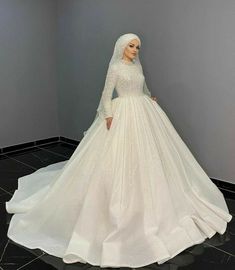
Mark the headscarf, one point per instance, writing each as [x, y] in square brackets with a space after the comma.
[117, 56]
[120, 46]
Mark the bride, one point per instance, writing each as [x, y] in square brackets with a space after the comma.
[131, 194]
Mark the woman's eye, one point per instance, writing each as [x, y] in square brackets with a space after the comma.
[136, 47]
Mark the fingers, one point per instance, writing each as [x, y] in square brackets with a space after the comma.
[108, 125]
[109, 122]
[154, 98]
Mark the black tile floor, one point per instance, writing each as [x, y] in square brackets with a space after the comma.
[214, 254]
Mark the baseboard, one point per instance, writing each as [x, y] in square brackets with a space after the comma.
[17, 147]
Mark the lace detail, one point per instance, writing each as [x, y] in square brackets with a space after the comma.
[146, 90]
[128, 79]
[105, 107]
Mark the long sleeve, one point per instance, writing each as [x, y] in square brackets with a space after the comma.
[146, 90]
[105, 106]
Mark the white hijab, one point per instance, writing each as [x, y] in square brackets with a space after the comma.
[118, 52]
[120, 46]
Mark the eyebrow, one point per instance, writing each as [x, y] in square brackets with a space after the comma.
[134, 44]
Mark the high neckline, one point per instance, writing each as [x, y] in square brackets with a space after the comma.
[127, 62]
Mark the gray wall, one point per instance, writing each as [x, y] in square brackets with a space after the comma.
[188, 56]
[28, 97]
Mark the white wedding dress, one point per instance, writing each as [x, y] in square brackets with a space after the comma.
[128, 196]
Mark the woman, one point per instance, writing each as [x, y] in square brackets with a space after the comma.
[131, 194]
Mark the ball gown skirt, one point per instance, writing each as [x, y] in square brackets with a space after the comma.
[128, 196]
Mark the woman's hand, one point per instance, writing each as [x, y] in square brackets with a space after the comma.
[108, 122]
[154, 98]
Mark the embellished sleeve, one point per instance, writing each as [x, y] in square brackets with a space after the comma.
[105, 105]
[146, 90]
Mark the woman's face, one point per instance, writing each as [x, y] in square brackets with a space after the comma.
[131, 50]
